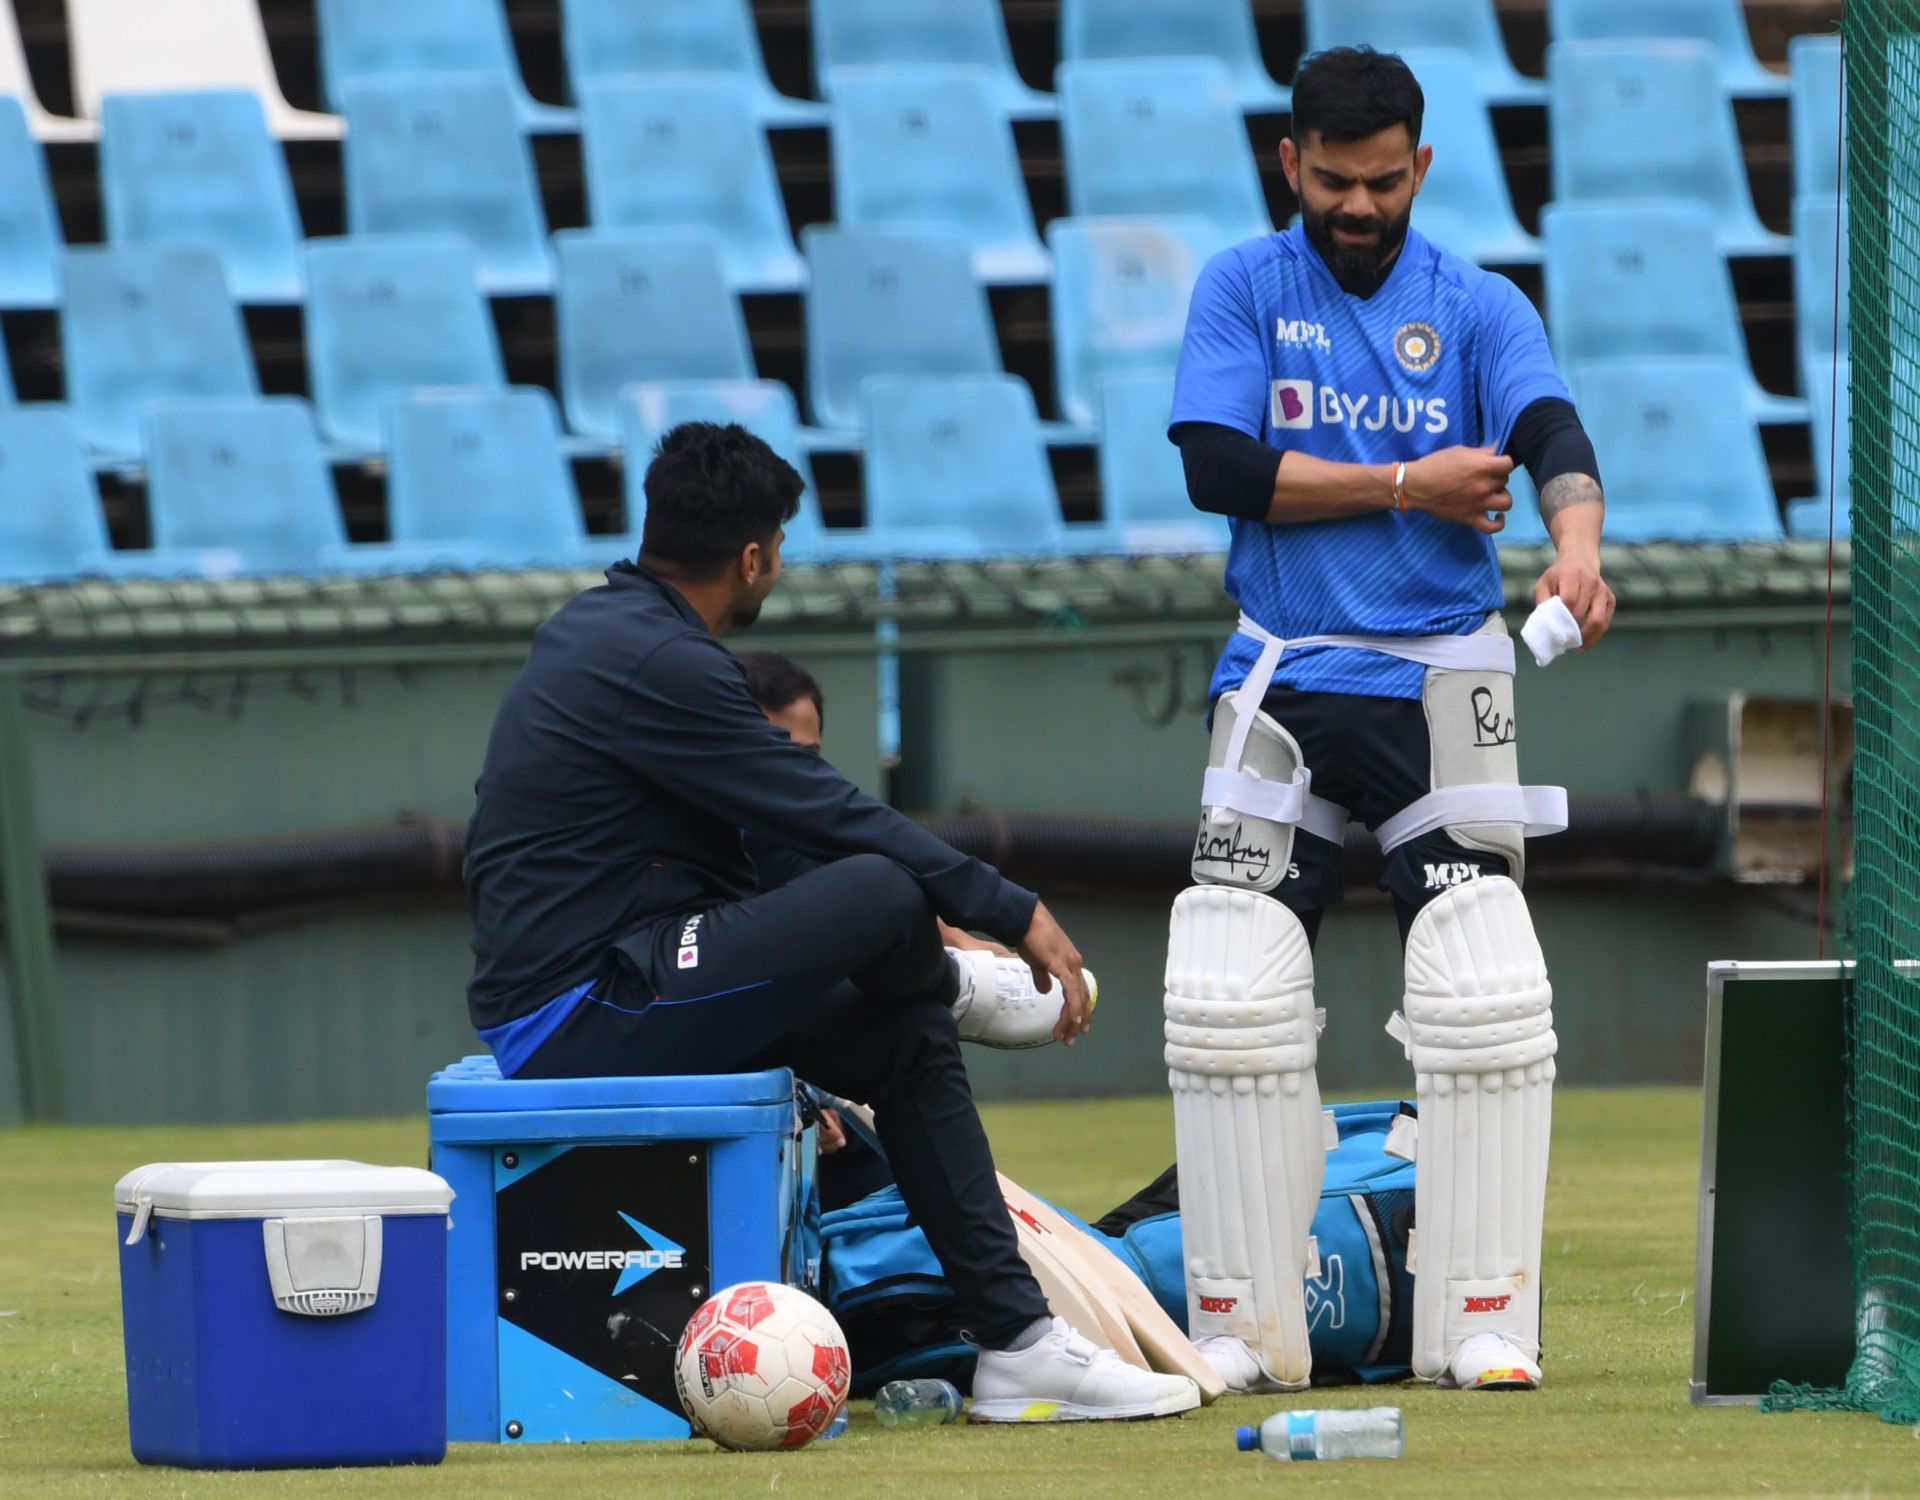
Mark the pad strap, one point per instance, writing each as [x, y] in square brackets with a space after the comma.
[1280, 801]
[1540, 809]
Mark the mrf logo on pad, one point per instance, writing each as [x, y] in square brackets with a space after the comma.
[1485, 1304]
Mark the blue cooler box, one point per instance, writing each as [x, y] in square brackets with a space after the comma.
[596, 1215]
[284, 1314]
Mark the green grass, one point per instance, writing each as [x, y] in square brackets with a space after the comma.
[1613, 1418]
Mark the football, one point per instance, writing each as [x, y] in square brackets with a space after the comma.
[762, 1366]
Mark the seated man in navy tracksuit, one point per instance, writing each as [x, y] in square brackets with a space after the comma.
[619, 926]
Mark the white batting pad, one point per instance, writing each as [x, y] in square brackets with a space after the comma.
[1478, 1027]
[1251, 1142]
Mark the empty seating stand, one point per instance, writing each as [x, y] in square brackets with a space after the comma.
[30, 240]
[853, 33]
[666, 37]
[1470, 26]
[369, 38]
[1093, 30]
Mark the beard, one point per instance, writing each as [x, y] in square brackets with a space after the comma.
[745, 615]
[1360, 269]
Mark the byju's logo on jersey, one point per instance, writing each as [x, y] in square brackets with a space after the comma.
[1295, 333]
[1297, 403]
[690, 942]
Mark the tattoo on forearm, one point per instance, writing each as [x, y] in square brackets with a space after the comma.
[1564, 491]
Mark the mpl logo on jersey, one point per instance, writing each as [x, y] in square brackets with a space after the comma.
[634, 1266]
[1300, 403]
[1296, 333]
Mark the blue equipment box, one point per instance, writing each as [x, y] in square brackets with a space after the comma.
[284, 1314]
[596, 1215]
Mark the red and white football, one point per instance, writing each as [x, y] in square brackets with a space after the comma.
[762, 1366]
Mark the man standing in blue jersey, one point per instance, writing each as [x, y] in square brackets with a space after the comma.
[1354, 398]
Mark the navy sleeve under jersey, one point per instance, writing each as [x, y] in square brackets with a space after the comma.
[1442, 354]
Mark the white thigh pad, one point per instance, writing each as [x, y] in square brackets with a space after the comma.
[1242, 1036]
[1478, 1027]
[1470, 726]
[1236, 847]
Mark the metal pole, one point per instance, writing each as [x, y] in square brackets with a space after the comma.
[29, 925]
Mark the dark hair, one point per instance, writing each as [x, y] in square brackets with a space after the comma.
[777, 681]
[1350, 93]
[711, 490]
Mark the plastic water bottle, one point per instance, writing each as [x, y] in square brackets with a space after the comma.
[916, 1403]
[1291, 1436]
[838, 1425]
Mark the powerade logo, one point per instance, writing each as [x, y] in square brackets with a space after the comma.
[1299, 404]
[634, 1266]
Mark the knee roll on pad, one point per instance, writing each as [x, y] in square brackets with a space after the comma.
[1242, 1036]
[1478, 1027]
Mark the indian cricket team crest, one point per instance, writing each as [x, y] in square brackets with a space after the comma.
[1416, 346]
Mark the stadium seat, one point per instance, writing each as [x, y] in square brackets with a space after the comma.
[1819, 250]
[387, 314]
[648, 411]
[1719, 24]
[1163, 136]
[370, 38]
[30, 239]
[1143, 484]
[858, 33]
[1466, 178]
[958, 452]
[889, 303]
[1626, 280]
[16, 81]
[1648, 119]
[677, 36]
[203, 169]
[1814, 80]
[143, 323]
[1831, 419]
[687, 153]
[641, 305]
[1524, 527]
[51, 526]
[148, 46]
[1120, 293]
[6, 379]
[1095, 30]
[485, 467]
[1679, 451]
[242, 484]
[928, 147]
[428, 155]
[1472, 26]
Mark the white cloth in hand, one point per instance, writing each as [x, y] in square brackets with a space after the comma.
[1550, 631]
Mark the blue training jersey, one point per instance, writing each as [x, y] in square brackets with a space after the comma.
[1442, 354]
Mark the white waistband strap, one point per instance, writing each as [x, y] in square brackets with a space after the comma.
[1540, 809]
[1452, 653]
[1282, 801]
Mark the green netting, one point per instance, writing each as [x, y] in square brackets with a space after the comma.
[1882, 90]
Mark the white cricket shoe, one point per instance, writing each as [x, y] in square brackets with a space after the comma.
[1240, 1367]
[1062, 1377]
[998, 1005]
[1493, 1362]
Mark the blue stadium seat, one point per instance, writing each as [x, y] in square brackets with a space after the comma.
[6, 379]
[1648, 119]
[677, 36]
[367, 38]
[429, 155]
[1092, 30]
[1819, 250]
[1679, 451]
[1472, 26]
[637, 304]
[1524, 527]
[1831, 419]
[51, 526]
[240, 486]
[143, 323]
[856, 33]
[484, 467]
[1143, 485]
[1466, 177]
[686, 152]
[959, 452]
[1163, 136]
[889, 303]
[764, 407]
[203, 169]
[1626, 280]
[927, 147]
[1120, 293]
[1814, 81]
[30, 241]
[1719, 24]
[389, 313]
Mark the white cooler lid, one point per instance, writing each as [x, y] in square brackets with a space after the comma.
[253, 1189]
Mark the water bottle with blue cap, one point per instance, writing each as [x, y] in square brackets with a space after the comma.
[1293, 1436]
